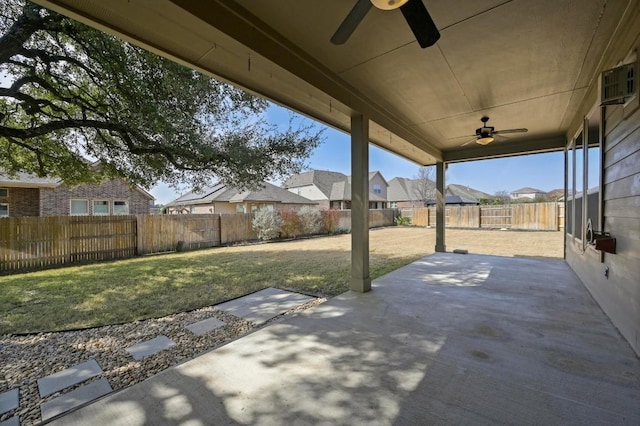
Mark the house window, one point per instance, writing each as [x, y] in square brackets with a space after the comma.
[593, 165]
[239, 208]
[4, 210]
[120, 207]
[4, 192]
[79, 207]
[394, 204]
[100, 207]
[377, 189]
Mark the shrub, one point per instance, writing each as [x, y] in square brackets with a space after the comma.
[402, 220]
[310, 220]
[267, 223]
[291, 226]
[330, 220]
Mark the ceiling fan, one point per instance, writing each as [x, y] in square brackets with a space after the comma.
[414, 11]
[487, 134]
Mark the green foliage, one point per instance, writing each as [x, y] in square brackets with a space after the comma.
[291, 226]
[402, 221]
[71, 91]
[310, 220]
[267, 223]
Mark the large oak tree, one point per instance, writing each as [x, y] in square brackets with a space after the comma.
[68, 92]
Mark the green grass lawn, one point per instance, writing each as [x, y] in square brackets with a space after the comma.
[155, 286]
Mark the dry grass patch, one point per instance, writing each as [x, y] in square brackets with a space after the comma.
[155, 286]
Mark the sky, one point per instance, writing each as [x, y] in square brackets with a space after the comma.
[540, 171]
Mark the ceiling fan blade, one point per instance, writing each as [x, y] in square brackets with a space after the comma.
[352, 20]
[420, 21]
[510, 131]
[469, 141]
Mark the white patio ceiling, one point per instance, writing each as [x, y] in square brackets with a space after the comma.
[523, 63]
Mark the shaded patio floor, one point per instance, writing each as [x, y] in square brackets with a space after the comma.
[449, 339]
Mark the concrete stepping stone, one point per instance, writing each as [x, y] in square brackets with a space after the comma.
[150, 347]
[13, 421]
[68, 377]
[75, 398]
[8, 401]
[205, 326]
[263, 305]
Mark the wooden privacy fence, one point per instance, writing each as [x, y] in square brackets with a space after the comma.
[30, 243]
[41, 242]
[161, 233]
[527, 216]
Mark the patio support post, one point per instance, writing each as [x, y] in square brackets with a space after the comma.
[440, 206]
[360, 279]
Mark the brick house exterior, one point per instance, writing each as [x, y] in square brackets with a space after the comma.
[26, 195]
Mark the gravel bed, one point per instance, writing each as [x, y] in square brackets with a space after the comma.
[26, 358]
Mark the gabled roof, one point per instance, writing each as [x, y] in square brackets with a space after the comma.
[466, 192]
[322, 179]
[528, 190]
[455, 199]
[222, 193]
[399, 189]
[26, 180]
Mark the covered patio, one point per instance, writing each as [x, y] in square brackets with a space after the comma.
[449, 339]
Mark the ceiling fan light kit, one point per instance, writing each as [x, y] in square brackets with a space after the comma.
[486, 134]
[388, 4]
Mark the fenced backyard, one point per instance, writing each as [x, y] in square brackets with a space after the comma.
[526, 217]
[31, 243]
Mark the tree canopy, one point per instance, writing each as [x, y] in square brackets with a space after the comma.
[69, 92]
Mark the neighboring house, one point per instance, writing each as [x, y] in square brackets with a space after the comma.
[455, 200]
[467, 194]
[223, 199]
[333, 189]
[28, 195]
[528, 194]
[555, 194]
[461, 195]
[404, 193]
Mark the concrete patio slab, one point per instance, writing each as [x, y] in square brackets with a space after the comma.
[205, 326]
[449, 339]
[75, 398]
[13, 421]
[263, 305]
[9, 400]
[150, 347]
[68, 377]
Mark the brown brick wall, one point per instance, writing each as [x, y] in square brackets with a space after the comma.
[22, 201]
[56, 201]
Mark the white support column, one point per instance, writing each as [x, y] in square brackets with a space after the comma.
[360, 279]
[440, 206]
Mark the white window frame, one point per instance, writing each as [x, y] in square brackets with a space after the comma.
[93, 207]
[5, 204]
[377, 188]
[117, 213]
[6, 192]
[71, 213]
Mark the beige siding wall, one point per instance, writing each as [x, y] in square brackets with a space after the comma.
[378, 180]
[619, 295]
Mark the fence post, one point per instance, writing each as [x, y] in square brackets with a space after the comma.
[140, 249]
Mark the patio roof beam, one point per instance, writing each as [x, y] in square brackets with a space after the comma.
[440, 206]
[360, 279]
[506, 149]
